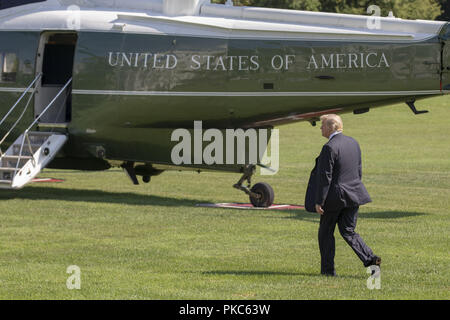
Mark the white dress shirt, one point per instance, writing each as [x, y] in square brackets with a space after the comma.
[333, 134]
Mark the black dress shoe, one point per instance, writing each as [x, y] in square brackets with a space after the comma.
[329, 274]
[376, 261]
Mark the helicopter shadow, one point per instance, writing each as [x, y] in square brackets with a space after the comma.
[95, 196]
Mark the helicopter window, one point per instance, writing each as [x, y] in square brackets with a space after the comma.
[5, 4]
[9, 64]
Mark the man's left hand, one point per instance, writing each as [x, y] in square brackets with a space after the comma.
[319, 209]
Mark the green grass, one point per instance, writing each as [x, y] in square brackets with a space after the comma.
[151, 242]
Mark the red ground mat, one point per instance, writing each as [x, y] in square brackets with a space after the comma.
[47, 180]
[249, 206]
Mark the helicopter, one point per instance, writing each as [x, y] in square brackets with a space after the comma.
[160, 85]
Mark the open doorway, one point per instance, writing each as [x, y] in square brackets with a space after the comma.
[55, 60]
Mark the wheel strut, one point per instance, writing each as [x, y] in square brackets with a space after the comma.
[249, 171]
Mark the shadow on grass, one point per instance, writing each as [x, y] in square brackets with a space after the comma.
[389, 215]
[313, 217]
[268, 273]
[250, 273]
[77, 195]
[98, 196]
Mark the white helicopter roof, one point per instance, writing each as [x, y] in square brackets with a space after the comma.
[201, 18]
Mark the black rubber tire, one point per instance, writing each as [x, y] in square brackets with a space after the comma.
[267, 195]
[146, 179]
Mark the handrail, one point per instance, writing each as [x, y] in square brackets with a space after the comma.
[25, 134]
[21, 97]
[17, 121]
[48, 107]
[14, 107]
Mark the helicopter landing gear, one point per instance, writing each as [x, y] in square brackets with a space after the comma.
[261, 194]
[145, 170]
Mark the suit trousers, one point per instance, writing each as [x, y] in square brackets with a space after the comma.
[346, 221]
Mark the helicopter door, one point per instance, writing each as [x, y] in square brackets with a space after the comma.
[55, 61]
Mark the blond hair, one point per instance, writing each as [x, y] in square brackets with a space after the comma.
[332, 121]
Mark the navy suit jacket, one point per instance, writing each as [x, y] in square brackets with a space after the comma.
[335, 181]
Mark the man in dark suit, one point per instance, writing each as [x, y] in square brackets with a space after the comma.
[339, 193]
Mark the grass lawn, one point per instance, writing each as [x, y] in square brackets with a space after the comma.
[151, 242]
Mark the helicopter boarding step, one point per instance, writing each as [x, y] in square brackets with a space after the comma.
[27, 156]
